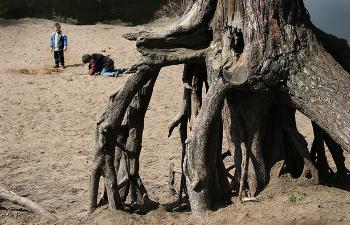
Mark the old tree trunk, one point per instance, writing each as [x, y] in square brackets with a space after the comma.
[259, 61]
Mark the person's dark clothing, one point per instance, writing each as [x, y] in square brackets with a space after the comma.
[59, 57]
[99, 62]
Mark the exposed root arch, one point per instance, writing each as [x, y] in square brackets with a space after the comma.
[263, 60]
[107, 129]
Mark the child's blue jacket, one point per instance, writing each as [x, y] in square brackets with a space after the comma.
[58, 41]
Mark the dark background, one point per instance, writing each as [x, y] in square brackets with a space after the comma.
[85, 11]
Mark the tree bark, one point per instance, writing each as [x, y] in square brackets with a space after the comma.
[106, 134]
[130, 145]
[198, 170]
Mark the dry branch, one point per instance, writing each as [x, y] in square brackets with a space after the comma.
[10, 196]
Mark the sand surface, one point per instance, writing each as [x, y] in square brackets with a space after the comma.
[47, 124]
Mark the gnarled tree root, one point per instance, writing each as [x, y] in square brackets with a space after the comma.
[298, 141]
[264, 49]
[194, 75]
[107, 130]
[318, 154]
[200, 161]
[132, 141]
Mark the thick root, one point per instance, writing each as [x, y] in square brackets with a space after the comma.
[301, 145]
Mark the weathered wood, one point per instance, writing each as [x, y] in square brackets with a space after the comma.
[135, 126]
[263, 60]
[10, 196]
[107, 130]
[197, 167]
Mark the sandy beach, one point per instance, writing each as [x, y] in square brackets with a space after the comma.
[47, 125]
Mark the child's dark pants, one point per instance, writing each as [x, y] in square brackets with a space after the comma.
[59, 57]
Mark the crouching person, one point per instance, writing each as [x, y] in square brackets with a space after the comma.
[100, 63]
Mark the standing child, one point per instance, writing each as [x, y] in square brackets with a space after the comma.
[103, 64]
[58, 45]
